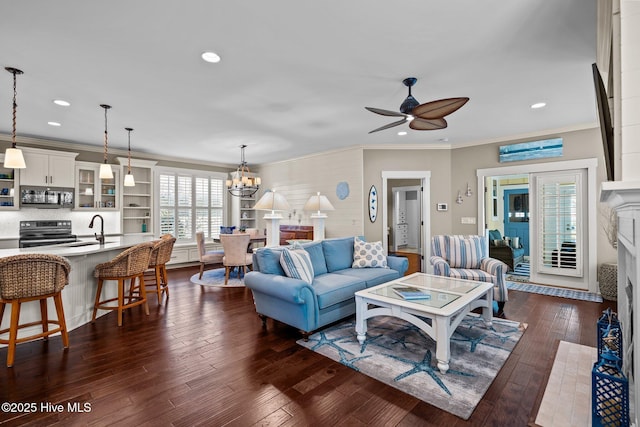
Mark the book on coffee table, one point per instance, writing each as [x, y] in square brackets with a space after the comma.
[408, 292]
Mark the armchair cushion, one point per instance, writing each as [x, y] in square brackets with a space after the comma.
[465, 252]
[368, 254]
[296, 263]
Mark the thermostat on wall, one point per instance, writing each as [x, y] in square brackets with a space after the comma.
[442, 206]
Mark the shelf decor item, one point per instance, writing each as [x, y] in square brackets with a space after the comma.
[13, 158]
[243, 182]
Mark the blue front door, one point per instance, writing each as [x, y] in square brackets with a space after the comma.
[516, 216]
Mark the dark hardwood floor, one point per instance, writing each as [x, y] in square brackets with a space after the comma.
[203, 358]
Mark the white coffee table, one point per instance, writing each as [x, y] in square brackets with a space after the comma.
[450, 301]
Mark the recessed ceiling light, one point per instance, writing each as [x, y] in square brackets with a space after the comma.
[211, 57]
[402, 133]
[538, 105]
[61, 102]
[54, 124]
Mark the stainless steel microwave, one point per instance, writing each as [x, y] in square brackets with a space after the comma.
[46, 197]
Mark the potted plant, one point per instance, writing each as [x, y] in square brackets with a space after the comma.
[608, 271]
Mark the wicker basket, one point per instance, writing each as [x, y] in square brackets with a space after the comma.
[608, 280]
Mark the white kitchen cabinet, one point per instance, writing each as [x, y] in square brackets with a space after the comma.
[93, 193]
[48, 168]
[137, 201]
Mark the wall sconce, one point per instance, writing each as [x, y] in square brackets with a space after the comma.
[459, 199]
[469, 193]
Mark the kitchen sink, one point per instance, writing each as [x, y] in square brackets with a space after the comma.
[79, 244]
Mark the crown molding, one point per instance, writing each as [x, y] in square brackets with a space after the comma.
[65, 145]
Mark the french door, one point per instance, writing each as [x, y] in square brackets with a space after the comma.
[560, 218]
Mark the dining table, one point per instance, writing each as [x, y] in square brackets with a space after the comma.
[253, 242]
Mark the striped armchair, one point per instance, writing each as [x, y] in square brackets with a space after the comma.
[465, 257]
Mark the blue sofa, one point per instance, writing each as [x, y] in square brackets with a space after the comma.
[330, 296]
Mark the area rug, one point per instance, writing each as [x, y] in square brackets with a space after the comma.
[567, 396]
[399, 354]
[555, 292]
[215, 277]
[520, 273]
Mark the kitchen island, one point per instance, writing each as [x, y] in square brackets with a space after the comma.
[79, 295]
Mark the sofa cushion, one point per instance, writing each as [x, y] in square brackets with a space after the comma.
[317, 257]
[296, 263]
[465, 252]
[338, 253]
[371, 276]
[269, 261]
[335, 288]
[368, 254]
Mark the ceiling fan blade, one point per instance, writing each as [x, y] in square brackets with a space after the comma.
[390, 125]
[438, 109]
[423, 124]
[385, 112]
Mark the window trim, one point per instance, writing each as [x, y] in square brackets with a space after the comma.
[193, 173]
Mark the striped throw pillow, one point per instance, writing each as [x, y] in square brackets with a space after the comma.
[296, 264]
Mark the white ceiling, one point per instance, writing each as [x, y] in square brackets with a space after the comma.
[295, 76]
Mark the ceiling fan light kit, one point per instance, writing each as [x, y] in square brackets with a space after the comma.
[427, 116]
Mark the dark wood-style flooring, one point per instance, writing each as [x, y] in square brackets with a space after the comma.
[203, 358]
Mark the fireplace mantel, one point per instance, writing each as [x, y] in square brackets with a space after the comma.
[624, 197]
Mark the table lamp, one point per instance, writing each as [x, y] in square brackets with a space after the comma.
[276, 203]
[317, 204]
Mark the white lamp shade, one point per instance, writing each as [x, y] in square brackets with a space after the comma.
[13, 159]
[105, 171]
[272, 201]
[129, 181]
[318, 203]
[88, 191]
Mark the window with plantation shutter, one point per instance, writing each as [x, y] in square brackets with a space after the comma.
[190, 203]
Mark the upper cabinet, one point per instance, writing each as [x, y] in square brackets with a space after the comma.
[93, 192]
[8, 185]
[48, 168]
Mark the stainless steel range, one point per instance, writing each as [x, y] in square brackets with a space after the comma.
[45, 232]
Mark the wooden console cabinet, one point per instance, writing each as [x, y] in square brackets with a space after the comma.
[295, 232]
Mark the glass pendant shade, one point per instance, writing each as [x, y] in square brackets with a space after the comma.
[105, 168]
[13, 159]
[105, 171]
[129, 181]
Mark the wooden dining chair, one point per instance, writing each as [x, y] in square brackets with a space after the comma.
[207, 257]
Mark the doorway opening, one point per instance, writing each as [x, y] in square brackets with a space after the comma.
[405, 221]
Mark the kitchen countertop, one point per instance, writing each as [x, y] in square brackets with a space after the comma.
[82, 246]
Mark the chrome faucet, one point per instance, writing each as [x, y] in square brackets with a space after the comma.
[99, 238]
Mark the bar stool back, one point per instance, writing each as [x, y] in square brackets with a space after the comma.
[128, 265]
[32, 277]
[160, 256]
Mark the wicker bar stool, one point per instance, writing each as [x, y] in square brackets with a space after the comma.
[128, 265]
[160, 256]
[32, 277]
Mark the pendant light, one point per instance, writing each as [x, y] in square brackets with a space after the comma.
[105, 168]
[128, 178]
[13, 158]
[243, 182]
